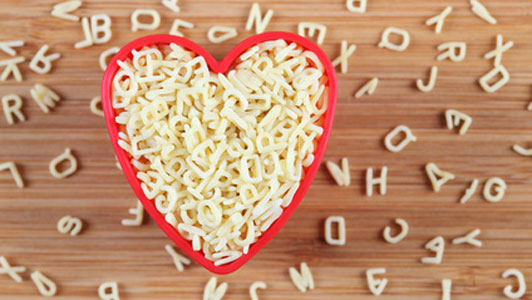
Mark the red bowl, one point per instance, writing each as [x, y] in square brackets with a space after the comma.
[222, 67]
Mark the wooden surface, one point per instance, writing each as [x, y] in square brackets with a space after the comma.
[135, 257]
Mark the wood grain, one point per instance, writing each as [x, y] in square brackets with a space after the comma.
[135, 257]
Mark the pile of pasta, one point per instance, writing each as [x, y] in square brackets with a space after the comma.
[221, 155]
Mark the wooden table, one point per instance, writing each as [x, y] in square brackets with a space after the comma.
[135, 257]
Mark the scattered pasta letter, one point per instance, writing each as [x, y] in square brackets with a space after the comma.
[260, 22]
[408, 138]
[437, 245]
[341, 176]
[138, 212]
[381, 181]
[12, 106]
[253, 289]
[44, 97]
[433, 172]
[376, 286]
[469, 238]
[178, 259]
[345, 53]
[44, 284]
[302, 280]
[12, 167]
[340, 241]
[385, 39]
[213, 292]
[6, 268]
[312, 28]
[439, 19]
[65, 156]
[496, 185]
[400, 236]
[69, 224]
[108, 291]
[368, 88]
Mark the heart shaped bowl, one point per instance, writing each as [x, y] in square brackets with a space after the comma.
[217, 67]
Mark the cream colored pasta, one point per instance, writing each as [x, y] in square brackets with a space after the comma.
[368, 88]
[138, 212]
[482, 12]
[376, 286]
[470, 191]
[63, 10]
[500, 48]
[381, 181]
[68, 224]
[101, 28]
[400, 236]
[385, 39]
[95, 106]
[493, 87]
[437, 245]
[437, 177]
[431, 82]
[521, 284]
[408, 138]
[340, 240]
[453, 119]
[44, 97]
[439, 19]
[180, 23]
[12, 106]
[178, 259]
[454, 51]
[42, 63]
[45, 285]
[255, 18]
[521, 150]
[214, 292]
[64, 157]
[345, 53]
[446, 289]
[108, 291]
[105, 54]
[303, 279]
[7, 46]
[497, 185]
[356, 6]
[11, 67]
[12, 167]
[136, 25]
[312, 29]
[469, 238]
[218, 34]
[172, 5]
[13, 272]
[341, 176]
[87, 42]
[220, 177]
[254, 287]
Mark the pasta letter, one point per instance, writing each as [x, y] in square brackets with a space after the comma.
[370, 181]
[437, 177]
[12, 106]
[65, 156]
[376, 286]
[408, 138]
[6, 268]
[45, 286]
[303, 279]
[340, 241]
